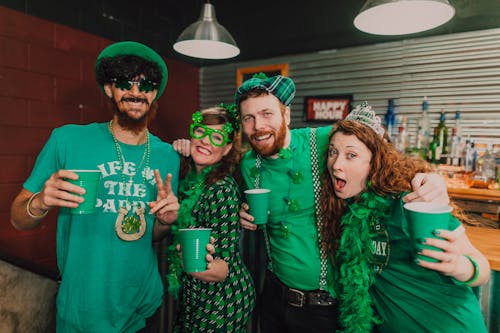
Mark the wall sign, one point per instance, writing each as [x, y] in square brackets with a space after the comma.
[326, 108]
[243, 74]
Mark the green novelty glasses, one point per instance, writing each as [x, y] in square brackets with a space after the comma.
[217, 138]
[143, 84]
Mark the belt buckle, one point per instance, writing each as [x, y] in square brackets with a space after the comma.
[296, 297]
[321, 299]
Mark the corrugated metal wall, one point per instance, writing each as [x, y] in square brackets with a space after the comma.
[455, 72]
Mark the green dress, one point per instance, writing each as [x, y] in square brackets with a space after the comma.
[222, 306]
[412, 299]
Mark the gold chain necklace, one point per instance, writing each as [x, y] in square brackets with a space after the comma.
[130, 227]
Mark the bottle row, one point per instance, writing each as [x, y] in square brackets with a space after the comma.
[440, 145]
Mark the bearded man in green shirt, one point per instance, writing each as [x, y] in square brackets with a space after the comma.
[109, 270]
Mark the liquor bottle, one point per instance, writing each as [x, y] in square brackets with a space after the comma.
[401, 142]
[474, 154]
[497, 159]
[470, 156]
[454, 150]
[390, 119]
[425, 123]
[423, 136]
[434, 152]
[468, 159]
[443, 137]
[489, 163]
[460, 139]
[415, 149]
[458, 125]
[484, 175]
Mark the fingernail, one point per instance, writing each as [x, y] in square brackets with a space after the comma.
[436, 232]
[422, 240]
[417, 261]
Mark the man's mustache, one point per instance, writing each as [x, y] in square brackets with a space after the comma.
[134, 100]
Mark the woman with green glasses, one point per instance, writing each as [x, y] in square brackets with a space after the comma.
[221, 298]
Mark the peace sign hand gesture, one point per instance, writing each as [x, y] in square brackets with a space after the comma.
[166, 206]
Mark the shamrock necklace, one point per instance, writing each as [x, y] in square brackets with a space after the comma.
[295, 176]
[130, 227]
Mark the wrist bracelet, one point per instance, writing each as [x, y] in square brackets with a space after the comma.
[474, 276]
[28, 207]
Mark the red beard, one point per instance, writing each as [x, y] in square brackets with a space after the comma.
[273, 148]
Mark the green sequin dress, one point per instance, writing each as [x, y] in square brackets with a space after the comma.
[222, 306]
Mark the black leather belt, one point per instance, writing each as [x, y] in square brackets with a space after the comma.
[300, 298]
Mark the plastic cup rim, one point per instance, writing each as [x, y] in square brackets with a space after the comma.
[257, 191]
[435, 208]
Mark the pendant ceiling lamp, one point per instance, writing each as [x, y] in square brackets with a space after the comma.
[206, 38]
[400, 17]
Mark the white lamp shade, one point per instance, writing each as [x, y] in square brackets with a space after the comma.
[206, 38]
[400, 17]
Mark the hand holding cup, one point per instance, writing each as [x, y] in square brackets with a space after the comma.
[258, 201]
[423, 219]
[89, 180]
[194, 242]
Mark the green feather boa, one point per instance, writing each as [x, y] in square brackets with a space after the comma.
[354, 258]
[190, 189]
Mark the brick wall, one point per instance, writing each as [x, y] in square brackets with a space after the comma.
[47, 80]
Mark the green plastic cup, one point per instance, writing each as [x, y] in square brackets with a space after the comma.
[194, 248]
[258, 201]
[89, 180]
[423, 218]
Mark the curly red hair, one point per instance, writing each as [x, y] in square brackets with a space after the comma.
[390, 174]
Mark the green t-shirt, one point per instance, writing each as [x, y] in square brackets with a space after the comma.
[108, 285]
[413, 299]
[292, 230]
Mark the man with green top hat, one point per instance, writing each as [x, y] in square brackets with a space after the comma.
[109, 273]
[297, 294]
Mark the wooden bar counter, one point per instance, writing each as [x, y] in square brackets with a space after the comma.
[487, 241]
[484, 203]
[479, 194]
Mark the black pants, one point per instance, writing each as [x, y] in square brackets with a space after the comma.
[279, 316]
[152, 323]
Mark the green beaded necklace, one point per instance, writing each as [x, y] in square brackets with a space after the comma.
[130, 227]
